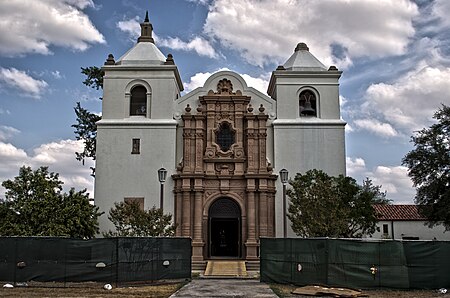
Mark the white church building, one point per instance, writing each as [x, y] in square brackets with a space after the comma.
[223, 145]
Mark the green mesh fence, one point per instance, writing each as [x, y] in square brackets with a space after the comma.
[356, 263]
[112, 260]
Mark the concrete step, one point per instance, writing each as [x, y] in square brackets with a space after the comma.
[198, 266]
[252, 265]
[226, 268]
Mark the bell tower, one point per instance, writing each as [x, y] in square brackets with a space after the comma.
[308, 132]
[137, 133]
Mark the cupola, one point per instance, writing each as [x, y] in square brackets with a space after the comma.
[303, 60]
[144, 52]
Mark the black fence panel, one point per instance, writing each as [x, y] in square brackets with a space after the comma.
[356, 263]
[428, 264]
[112, 260]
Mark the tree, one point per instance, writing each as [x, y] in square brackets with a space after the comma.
[130, 220]
[35, 205]
[94, 77]
[326, 206]
[429, 168]
[86, 128]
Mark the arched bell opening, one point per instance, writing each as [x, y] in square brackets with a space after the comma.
[224, 229]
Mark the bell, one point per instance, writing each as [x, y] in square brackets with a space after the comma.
[308, 110]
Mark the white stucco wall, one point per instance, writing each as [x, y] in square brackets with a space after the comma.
[411, 229]
[120, 174]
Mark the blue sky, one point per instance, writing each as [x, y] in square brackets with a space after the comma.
[395, 56]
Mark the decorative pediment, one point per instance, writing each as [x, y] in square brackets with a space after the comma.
[224, 87]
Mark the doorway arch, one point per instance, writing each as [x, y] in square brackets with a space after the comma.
[224, 229]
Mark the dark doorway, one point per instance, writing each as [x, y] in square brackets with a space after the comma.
[224, 228]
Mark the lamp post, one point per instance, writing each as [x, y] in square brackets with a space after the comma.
[162, 174]
[284, 174]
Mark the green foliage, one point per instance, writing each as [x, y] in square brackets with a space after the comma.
[36, 206]
[429, 168]
[86, 128]
[326, 206]
[130, 220]
[94, 76]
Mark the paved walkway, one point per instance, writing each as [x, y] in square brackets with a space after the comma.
[225, 288]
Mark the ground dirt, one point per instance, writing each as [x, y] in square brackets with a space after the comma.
[165, 290]
[92, 290]
[285, 291]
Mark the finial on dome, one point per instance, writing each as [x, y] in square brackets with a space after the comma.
[146, 30]
[301, 47]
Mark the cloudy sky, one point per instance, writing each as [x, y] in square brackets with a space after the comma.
[395, 56]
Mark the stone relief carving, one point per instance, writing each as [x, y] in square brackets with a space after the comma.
[224, 87]
[211, 183]
[224, 168]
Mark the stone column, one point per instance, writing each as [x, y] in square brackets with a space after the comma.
[178, 213]
[186, 225]
[251, 243]
[263, 214]
[270, 215]
[197, 242]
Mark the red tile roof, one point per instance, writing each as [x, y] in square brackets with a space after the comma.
[398, 212]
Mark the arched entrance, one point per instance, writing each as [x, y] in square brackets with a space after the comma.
[224, 233]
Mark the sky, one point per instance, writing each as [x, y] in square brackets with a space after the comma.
[395, 58]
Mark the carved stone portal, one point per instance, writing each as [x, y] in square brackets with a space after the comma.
[225, 164]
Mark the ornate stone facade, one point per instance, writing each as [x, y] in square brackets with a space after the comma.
[222, 149]
[224, 158]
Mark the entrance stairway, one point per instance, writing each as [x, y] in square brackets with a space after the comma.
[226, 269]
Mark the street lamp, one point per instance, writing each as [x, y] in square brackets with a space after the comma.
[284, 175]
[162, 174]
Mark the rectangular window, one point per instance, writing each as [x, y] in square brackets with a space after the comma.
[140, 201]
[136, 146]
[385, 229]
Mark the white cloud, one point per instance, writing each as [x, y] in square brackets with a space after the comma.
[376, 127]
[336, 31]
[396, 182]
[261, 83]
[7, 132]
[198, 44]
[57, 74]
[199, 79]
[6, 112]
[30, 26]
[393, 179]
[130, 27]
[19, 79]
[81, 4]
[201, 2]
[355, 166]
[408, 103]
[58, 156]
[440, 10]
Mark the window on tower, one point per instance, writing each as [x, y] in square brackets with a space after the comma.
[308, 104]
[225, 136]
[138, 101]
[135, 146]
